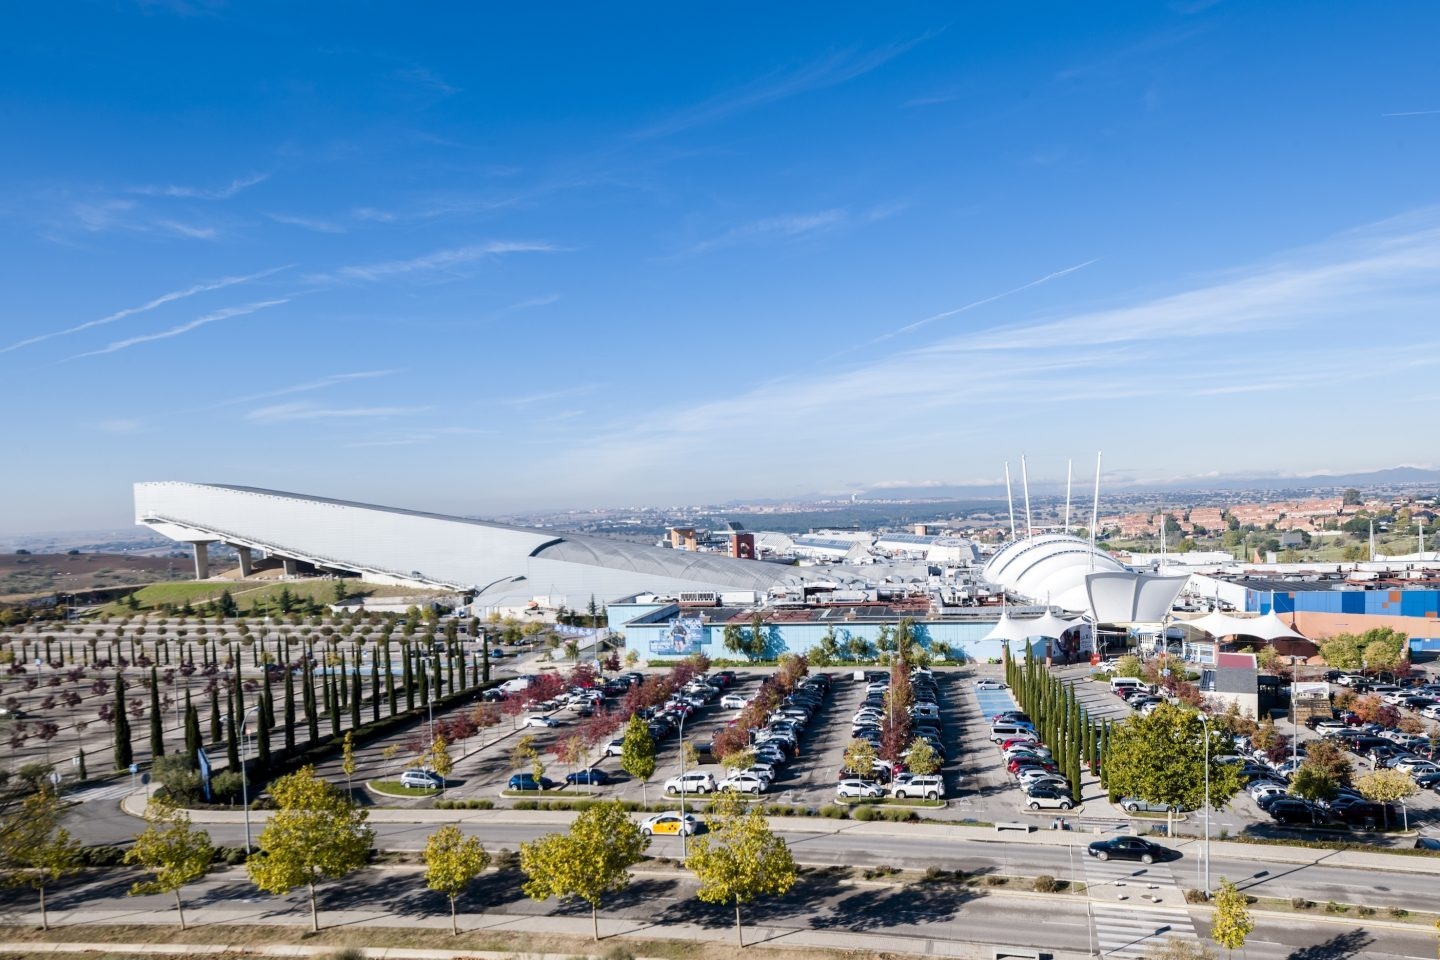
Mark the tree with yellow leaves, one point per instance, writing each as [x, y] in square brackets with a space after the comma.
[739, 859]
[452, 862]
[172, 850]
[593, 859]
[1232, 922]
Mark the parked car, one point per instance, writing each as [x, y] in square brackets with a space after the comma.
[421, 780]
[1137, 805]
[1292, 810]
[1049, 797]
[1044, 781]
[744, 783]
[670, 824]
[929, 787]
[989, 684]
[527, 781]
[1128, 848]
[593, 775]
[615, 747]
[853, 788]
[540, 720]
[694, 782]
[733, 701]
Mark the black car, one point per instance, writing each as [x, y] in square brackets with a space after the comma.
[1128, 848]
[1291, 811]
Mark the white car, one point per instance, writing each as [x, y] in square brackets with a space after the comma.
[733, 701]
[989, 684]
[540, 720]
[859, 789]
[1036, 775]
[690, 783]
[1416, 766]
[420, 779]
[615, 747]
[930, 787]
[744, 783]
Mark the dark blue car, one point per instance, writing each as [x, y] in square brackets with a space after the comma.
[594, 776]
[527, 781]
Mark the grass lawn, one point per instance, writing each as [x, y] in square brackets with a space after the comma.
[392, 788]
[253, 592]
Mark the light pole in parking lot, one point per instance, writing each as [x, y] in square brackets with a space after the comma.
[244, 777]
[1205, 724]
[684, 835]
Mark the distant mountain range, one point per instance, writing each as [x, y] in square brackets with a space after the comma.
[1389, 477]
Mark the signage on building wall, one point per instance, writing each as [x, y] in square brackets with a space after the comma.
[684, 637]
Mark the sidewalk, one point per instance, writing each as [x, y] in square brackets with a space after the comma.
[1261, 853]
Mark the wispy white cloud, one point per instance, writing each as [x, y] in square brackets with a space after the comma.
[188, 230]
[828, 71]
[426, 78]
[436, 261]
[307, 223]
[1412, 113]
[202, 287]
[543, 301]
[1280, 334]
[200, 193]
[184, 328]
[785, 226]
[288, 412]
[411, 441]
[578, 390]
[334, 379]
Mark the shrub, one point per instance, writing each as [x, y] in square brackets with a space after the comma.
[834, 811]
[345, 953]
[1399, 913]
[1365, 911]
[1333, 907]
[617, 953]
[104, 856]
[1196, 896]
[993, 881]
[866, 813]
[527, 804]
[1300, 903]
[1045, 884]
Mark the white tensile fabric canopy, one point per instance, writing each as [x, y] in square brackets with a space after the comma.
[1268, 627]
[1009, 628]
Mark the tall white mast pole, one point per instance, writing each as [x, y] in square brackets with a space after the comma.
[1095, 511]
[1069, 476]
[1372, 541]
[1010, 498]
[1025, 482]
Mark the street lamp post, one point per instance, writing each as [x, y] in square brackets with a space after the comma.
[1205, 724]
[244, 776]
[684, 832]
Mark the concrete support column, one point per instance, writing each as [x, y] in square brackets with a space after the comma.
[247, 563]
[292, 567]
[202, 559]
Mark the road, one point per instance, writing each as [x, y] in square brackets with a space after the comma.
[941, 919]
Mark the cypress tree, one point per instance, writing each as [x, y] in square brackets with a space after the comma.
[390, 693]
[375, 685]
[193, 742]
[332, 681]
[312, 722]
[232, 736]
[289, 713]
[157, 730]
[215, 730]
[342, 685]
[267, 697]
[239, 688]
[450, 668]
[407, 678]
[124, 752]
[355, 698]
[439, 676]
[80, 766]
[262, 735]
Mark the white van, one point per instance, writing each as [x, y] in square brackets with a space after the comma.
[1131, 683]
[1004, 731]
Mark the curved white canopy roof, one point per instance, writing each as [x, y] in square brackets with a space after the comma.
[1065, 571]
[1268, 627]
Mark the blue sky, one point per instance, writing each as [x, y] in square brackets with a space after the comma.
[483, 260]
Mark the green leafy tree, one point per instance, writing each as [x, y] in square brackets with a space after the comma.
[34, 849]
[1232, 922]
[452, 862]
[740, 860]
[860, 757]
[1328, 758]
[441, 762]
[593, 859]
[1313, 783]
[1161, 758]
[347, 760]
[172, 850]
[1129, 666]
[1386, 787]
[922, 758]
[637, 754]
[316, 834]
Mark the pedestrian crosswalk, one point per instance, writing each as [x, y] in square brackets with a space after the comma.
[111, 791]
[1133, 906]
